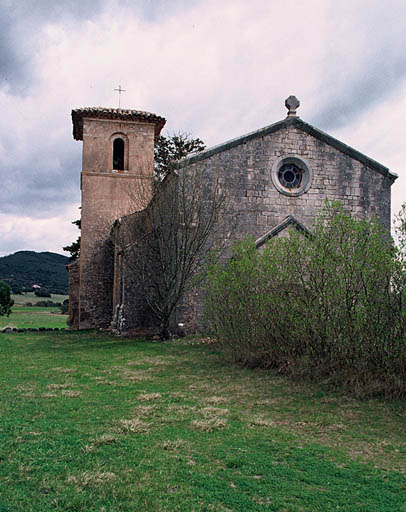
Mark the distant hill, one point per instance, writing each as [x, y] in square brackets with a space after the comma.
[24, 269]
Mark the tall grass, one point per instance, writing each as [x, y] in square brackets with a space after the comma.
[330, 306]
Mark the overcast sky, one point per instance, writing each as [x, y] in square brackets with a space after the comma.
[216, 69]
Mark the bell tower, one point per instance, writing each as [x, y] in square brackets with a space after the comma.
[116, 180]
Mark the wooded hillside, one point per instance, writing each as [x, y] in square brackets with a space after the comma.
[24, 269]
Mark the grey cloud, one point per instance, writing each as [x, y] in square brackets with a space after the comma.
[14, 64]
[153, 10]
[31, 12]
[367, 63]
[37, 187]
[20, 24]
[21, 21]
[373, 82]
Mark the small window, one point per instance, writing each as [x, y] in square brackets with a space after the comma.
[292, 175]
[118, 154]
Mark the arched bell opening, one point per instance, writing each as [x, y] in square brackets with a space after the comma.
[118, 154]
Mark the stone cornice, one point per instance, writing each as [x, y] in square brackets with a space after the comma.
[110, 174]
[113, 114]
[290, 220]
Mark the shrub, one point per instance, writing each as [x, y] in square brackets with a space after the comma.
[47, 304]
[17, 289]
[42, 292]
[65, 307]
[330, 306]
[6, 301]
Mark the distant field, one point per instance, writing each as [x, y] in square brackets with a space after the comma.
[22, 299]
[34, 317]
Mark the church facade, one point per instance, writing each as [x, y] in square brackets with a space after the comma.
[272, 178]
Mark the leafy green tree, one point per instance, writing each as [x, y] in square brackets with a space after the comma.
[330, 306]
[74, 247]
[6, 302]
[171, 149]
[65, 307]
[42, 292]
[400, 232]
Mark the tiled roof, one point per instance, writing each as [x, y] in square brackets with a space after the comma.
[113, 113]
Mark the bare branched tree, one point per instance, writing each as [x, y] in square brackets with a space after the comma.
[165, 245]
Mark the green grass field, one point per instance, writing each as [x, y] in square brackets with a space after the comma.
[89, 422]
[23, 316]
[22, 298]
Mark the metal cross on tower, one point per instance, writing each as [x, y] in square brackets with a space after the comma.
[119, 90]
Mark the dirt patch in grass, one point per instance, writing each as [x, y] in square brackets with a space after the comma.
[202, 386]
[209, 424]
[91, 479]
[146, 410]
[216, 400]
[105, 382]
[64, 370]
[58, 386]
[103, 440]
[213, 411]
[135, 376]
[27, 387]
[260, 421]
[63, 392]
[155, 361]
[177, 414]
[173, 446]
[134, 425]
[49, 395]
[147, 397]
[70, 393]
[178, 395]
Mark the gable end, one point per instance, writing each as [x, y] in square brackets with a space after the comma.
[284, 124]
[290, 220]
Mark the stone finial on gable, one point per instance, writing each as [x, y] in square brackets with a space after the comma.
[292, 103]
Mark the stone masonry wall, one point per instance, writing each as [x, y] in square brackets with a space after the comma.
[256, 206]
[73, 312]
[244, 174]
[108, 195]
[131, 310]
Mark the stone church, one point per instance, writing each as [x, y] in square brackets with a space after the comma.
[274, 177]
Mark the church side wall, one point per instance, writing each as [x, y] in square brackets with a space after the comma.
[131, 310]
[73, 310]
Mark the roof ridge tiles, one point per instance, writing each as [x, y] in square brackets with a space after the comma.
[113, 113]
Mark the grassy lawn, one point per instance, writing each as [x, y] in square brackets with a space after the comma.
[23, 316]
[94, 423]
